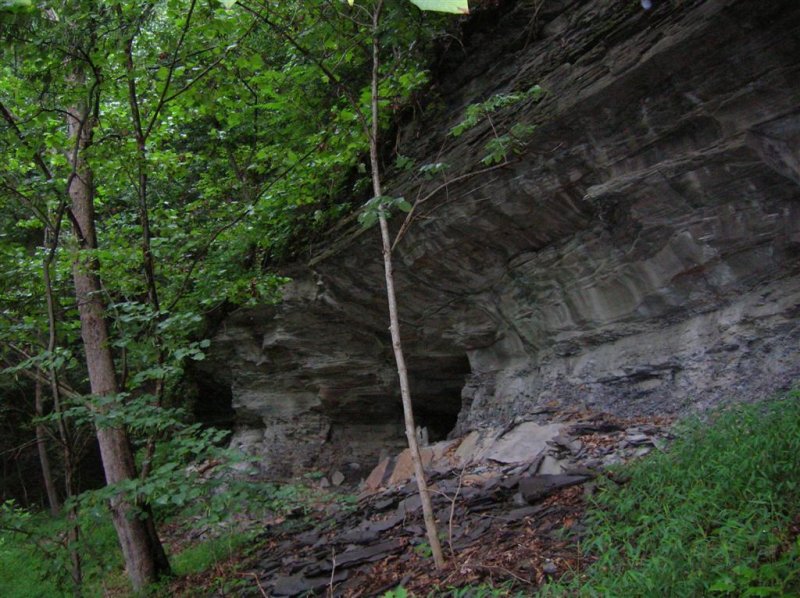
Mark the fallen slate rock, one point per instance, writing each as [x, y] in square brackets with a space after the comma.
[472, 535]
[504, 496]
[376, 552]
[307, 538]
[594, 427]
[580, 470]
[415, 530]
[295, 566]
[267, 566]
[536, 487]
[404, 466]
[409, 505]
[299, 585]
[523, 443]
[348, 559]
[380, 475]
[638, 439]
[369, 531]
[384, 504]
[567, 442]
[551, 466]
[520, 513]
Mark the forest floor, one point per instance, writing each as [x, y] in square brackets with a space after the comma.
[713, 513]
[503, 526]
[506, 555]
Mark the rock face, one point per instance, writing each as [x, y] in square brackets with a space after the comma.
[640, 255]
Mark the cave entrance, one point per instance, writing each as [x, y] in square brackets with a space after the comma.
[436, 384]
[213, 404]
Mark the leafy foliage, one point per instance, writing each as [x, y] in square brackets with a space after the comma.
[475, 113]
[377, 205]
[498, 148]
[454, 6]
[34, 552]
[500, 145]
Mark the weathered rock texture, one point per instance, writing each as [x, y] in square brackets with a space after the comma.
[641, 255]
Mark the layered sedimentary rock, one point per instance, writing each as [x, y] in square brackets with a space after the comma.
[641, 254]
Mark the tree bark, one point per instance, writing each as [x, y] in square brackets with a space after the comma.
[394, 320]
[144, 556]
[44, 460]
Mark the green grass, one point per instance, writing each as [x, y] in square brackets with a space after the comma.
[32, 568]
[711, 517]
[201, 557]
[22, 572]
[27, 572]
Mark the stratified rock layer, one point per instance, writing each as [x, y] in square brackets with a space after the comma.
[640, 255]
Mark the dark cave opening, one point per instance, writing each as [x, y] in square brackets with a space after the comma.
[213, 405]
[438, 423]
[436, 384]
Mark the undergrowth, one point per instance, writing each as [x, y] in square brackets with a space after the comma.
[202, 556]
[22, 574]
[34, 561]
[716, 515]
[35, 564]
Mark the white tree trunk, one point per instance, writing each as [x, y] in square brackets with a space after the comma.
[394, 320]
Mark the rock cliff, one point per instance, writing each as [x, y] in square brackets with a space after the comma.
[640, 255]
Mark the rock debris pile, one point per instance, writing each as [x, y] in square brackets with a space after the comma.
[502, 498]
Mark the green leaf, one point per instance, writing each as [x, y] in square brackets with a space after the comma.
[367, 219]
[16, 5]
[761, 591]
[724, 585]
[453, 6]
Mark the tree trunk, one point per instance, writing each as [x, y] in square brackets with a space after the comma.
[144, 556]
[51, 239]
[44, 460]
[394, 320]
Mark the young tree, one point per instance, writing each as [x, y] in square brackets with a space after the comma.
[394, 320]
[380, 204]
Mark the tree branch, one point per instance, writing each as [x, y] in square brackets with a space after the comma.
[162, 99]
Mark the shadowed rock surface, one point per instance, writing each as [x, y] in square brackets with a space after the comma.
[641, 255]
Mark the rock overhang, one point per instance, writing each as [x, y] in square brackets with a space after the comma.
[640, 256]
